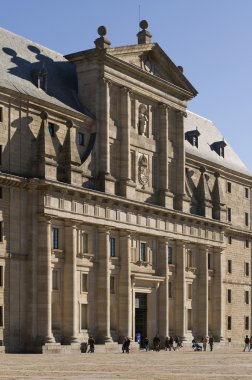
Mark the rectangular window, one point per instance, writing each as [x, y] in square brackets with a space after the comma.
[229, 268]
[229, 295]
[230, 240]
[229, 187]
[229, 322]
[246, 192]
[246, 323]
[51, 129]
[189, 319]
[246, 269]
[112, 247]
[170, 290]
[1, 114]
[246, 297]
[84, 243]
[84, 316]
[55, 280]
[80, 138]
[246, 243]
[1, 192]
[1, 232]
[229, 215]
[142, 251]
[246, 218]
[1, 276]
[169, 255]
[189, 258]
[112, 284]
[1, 316]
[189, 291]
[84, 282]
[209, 263]
[1, 154]
[55, 239]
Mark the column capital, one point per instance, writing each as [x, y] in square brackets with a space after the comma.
[125, 233]
[104, 230]
[181, 113]
[45, 219]
[106, 81]
[164, 106]
[125, 90]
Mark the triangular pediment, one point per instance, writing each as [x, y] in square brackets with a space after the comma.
[153, 60]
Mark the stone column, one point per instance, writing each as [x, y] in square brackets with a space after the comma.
[166, 197]
[45, 282]
[107, 183]
[181, 201]
[127, 187]
[163, 299]
[103, 285]
[125, 297]
[180, 309]
[203, 291]
[70, 286]
[218, 293]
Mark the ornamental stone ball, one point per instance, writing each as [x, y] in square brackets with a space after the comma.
[143, 24]
[102, 30]
[69, 123]
[44, 115]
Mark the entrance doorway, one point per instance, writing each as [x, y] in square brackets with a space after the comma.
[141, 315]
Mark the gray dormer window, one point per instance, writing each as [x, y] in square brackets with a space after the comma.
[193, 137]
[42, 79]
[219, 147]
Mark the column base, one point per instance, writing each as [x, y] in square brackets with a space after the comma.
[108, 339]
[49, 340]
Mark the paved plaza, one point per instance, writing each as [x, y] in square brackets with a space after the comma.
[185, 364]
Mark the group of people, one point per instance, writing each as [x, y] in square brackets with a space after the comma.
[205, 340]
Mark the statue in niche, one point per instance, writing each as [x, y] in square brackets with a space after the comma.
[142, 120]
[143, 171]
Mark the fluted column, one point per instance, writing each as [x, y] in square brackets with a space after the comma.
[163, 298]
[103, 285]
[180, 310]
[218, 293]
[127, 188]
[125, 304]
[45, 282]
[70, 286]
[107, 183]
[166, 197]
[203, 291]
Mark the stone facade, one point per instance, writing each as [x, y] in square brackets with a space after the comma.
[121, 212]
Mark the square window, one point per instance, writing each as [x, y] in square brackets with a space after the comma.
[229, 187]
[80, 138]
[229, 215]
[229, 322]
[142, 251]
[229, 295]
[169, 255]
[55, 238]
[112, 247]
[246, 192]
[51, 129]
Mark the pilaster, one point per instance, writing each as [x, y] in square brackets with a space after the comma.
[218, 292]
[163, 299]
[203, 291]
[180, 309]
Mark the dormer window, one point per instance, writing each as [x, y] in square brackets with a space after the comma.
[193, 137]
[42, 79]
[219, 147]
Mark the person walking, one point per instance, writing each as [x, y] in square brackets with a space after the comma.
[171, 343]
[246, 343]
[250, 343]
[156, 344]
[126, 345]
[167, 343]
[146, 344]
[211, 342]
[205, 341]
[91, 343]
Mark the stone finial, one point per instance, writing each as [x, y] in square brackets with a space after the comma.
[144, 37]
[102, 42]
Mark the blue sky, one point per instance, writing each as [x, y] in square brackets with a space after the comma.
[211, 39]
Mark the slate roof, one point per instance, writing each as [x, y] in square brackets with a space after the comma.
[209, 134]
[21, 59]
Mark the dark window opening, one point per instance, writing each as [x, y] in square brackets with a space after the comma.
[55, 238]
[51, 129]
[80, 138]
